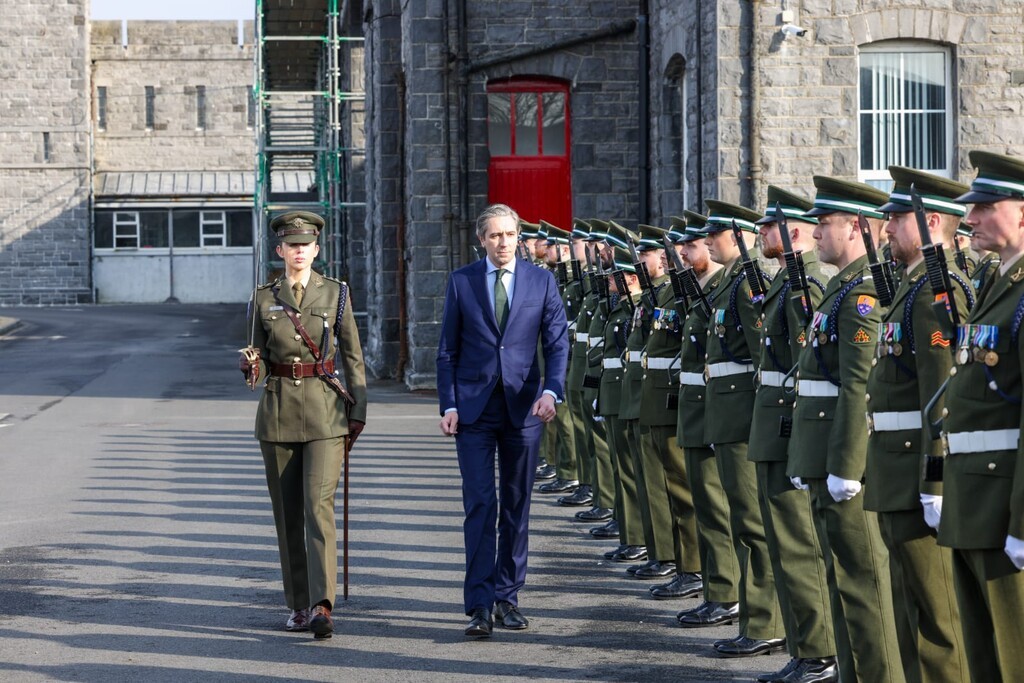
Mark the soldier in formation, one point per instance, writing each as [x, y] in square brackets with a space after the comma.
[808, 417]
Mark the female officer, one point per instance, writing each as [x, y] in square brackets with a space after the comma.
[303, 320]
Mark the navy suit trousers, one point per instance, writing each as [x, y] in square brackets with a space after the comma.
[496, 543]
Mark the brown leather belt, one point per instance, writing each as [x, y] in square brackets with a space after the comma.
[300, 370]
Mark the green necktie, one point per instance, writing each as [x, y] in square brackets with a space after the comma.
[500, 299]
[297, 291]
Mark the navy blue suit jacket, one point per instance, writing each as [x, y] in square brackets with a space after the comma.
[472, 354]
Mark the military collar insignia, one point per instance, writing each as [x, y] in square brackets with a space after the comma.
[1017, 275]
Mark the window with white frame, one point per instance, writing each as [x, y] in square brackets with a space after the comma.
[212, 229]
[126, 230]
[906, 111]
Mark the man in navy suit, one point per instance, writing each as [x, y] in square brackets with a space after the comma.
[489, 387]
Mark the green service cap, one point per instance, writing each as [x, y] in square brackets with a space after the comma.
[623, 260]
[598, 229]
[793, 206]
[620, 236]
[528, 230]
[650, 237]
[999, 177]
[580, 229]
[722, 214]
[937, 193]
[557, 235]
[846, 196]
[297, 227]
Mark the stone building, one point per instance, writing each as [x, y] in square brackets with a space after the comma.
[652, 107]
[44, 153]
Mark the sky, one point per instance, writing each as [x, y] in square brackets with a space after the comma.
[173, 9]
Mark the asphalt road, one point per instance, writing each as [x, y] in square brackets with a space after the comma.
[137, 542]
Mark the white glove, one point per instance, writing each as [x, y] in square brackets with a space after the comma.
[798, 483]
[932, 509]
[597, 418]
[1014, 549]
[841, 489]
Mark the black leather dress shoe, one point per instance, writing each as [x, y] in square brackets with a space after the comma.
[545, 472]
[683, 585]
[749, 647]
[658, 570]
[823, 670]
[595, 514]
[779, 675]
[559, 486]
[580, 497]
[710, 614]
[609, 530]
[480, 624]
[631, 553]
[612, 553]
[634, 568]
[508, 616]
[723, 641]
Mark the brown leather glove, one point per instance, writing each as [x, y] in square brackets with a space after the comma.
[355, 428]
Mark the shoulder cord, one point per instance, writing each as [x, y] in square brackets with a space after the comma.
[833, 328]
[784, 323]
[1018, 316]
[734, 312]
[324, 343]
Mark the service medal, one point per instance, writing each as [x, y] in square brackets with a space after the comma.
[822, 338]
[896, 349]
[991, 359]
[963, 356]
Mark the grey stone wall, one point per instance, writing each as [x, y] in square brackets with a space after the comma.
[174, 57]
[44, 186]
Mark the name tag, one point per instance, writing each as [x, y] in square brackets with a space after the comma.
[276, 308]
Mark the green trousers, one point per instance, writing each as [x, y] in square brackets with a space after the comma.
[861, 575]
[759, 608]
[604, 472]
[302, 479]
[627, 511]
[652, 496]
[564, 448]
[719, 567]
[661, 441]
[924, 599]
[798, 564]
[582, 438]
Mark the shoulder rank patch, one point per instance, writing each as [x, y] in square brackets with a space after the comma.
[862, 336]
[865, 304]
[944, 298]
[938, 340]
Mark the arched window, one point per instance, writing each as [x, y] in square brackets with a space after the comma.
[906, 109]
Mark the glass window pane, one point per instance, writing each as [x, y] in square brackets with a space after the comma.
[526, 124]
[239, 228]
[153, 229]
[126, 230]
[554, 123]
[212, 228]
[103, 230]
[186, 228]
[499, 122]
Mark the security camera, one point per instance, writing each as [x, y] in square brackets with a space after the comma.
[793, 30]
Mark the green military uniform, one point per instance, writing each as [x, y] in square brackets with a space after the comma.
[984, 273]
[560, 434]
[796, 554]
[301, 422]
[830, 438]
[732, 334]
[983, 483]
[658, 414]
[912, 360]
[609, 402]
[652, 490]
[719, 566]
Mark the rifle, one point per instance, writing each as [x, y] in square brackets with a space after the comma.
[645, 277]
[881, 272]
[522, 251]
[750, 267]
[591, 272]
[624, 293]
[602, 286]
[794, 266]
[577, 272]
[563, 273]
[944, 305]
[960, 258]
[675, 276]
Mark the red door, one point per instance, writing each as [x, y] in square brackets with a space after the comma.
[528, 139]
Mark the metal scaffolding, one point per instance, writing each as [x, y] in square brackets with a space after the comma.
[308, 123]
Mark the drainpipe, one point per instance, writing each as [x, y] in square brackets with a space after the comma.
[462, 59]
[754, 131]
[400, 276]
[700, 107]
[446, 135]
[644, 87]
